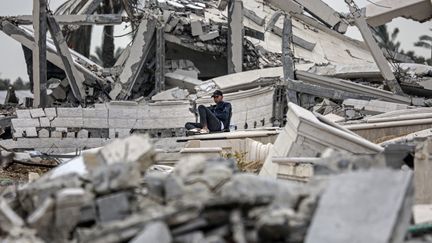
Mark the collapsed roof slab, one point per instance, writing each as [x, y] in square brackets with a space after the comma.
[351, 87]
[327, 15]
[93, 19]
[25, 37]
[418, 10]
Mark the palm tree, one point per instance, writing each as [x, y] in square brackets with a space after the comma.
[425, 41]
[99, 57]
[385, 39]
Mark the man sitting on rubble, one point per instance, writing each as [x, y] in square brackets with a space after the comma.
[214, 118]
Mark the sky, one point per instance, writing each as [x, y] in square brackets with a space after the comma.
[12, 64]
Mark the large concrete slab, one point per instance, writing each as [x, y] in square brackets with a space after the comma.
[368, 206]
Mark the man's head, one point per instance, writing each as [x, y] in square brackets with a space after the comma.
[217, 96]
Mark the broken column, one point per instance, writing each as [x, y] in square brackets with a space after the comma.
[39, 53]
[75, 78]
[235, 36]
[288, 57]
[160, 59]
[139, 54]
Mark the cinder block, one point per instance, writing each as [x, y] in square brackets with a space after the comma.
[112, 133]
[70, 135]
[67, 122]
[51, 112]
[43, 133]
[83, 133]
[31, 132]
[45, 122]
[196, 28]
[56, 134]
[19, 132]
[61, 129]
[36, 113]
[25, 123]
[95, 123]
[23, 114]
[69, 112]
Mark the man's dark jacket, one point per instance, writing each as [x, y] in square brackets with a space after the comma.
[222, 111]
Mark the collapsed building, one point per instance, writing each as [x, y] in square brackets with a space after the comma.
[315, 114]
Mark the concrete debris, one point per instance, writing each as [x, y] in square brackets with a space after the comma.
[361, 191]
[317, 115]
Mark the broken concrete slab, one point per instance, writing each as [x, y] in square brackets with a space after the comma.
[300, 138]
[379, 199]
[196, 28]
[171, 94]
[154, 232]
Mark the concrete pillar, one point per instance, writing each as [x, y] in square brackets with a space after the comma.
[235, 36]
[288, 57]
[39, 53]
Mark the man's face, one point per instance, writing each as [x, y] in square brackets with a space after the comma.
[217, 98]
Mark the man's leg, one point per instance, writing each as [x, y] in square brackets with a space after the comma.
[208, 119]
[192, 125]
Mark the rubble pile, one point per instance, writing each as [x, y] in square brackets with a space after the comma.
[199, 201]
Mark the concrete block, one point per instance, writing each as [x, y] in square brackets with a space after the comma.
[100, 106]
[122, 133]
[196, 28]
[26, 122]
[95, 122]
[123, 123]
[45, 122]
[209, 36]
[23, 113]
[18, 132]
[111, 133]
[130, 150]
[61, 129]
[56, 134]
[43, 133]
[35, 113]
[70, 134]
[83, 133]
[123, 113]
[113, 207]
[50, 112]
[58, 92]
[69, 112]
[68, 208]
[95, 113]
[67, 122]
[376, 199]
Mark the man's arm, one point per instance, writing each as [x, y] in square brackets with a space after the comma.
[224, 115]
